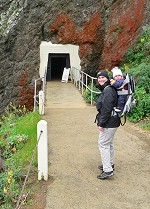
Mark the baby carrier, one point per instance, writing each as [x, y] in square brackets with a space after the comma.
[127, 89]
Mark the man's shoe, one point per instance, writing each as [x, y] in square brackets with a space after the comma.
[101, 167]
[105, 175]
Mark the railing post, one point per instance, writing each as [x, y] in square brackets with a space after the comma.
[42, 150]
[44, 87]
[86, 81]
[41, 102]
[34, 96]
[92, 92]
[82, 83]
[79, 80]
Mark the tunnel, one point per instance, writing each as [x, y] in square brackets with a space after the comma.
[56, 64]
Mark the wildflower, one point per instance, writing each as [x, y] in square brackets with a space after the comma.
[126, 67]
[9, 180]
[10, 173]
[5, 190]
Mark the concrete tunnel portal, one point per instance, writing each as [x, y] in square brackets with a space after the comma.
[55, 57]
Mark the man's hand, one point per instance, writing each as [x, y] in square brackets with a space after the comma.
[100, 128]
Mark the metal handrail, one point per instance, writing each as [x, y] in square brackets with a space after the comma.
[81, 82]
[43, 79]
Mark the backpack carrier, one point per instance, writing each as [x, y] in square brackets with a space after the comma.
[126, 89]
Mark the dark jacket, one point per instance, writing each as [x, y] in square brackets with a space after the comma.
[105, 104]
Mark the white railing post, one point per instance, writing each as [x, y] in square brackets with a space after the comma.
[41, 102]
[86, 81]
[92, 92]
[42, 150]
[79, 80]
[34, 96]
[82, 83]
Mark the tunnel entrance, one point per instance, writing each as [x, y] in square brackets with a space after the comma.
[56, 64]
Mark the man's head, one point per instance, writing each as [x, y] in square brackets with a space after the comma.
[102, 77]
[117, 74]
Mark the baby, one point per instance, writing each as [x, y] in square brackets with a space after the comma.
[117, 83]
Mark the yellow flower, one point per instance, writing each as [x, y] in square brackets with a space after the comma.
[142, 40]
[9, 180]
[10, 173]
[126, 67]
[5, 190]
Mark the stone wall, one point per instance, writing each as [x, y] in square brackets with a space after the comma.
[103, 29]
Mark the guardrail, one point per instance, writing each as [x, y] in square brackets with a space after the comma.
[36, 96]
[82, 80]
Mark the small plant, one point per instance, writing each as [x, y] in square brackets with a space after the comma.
[11, 144]
[90, 92]
[9, 188]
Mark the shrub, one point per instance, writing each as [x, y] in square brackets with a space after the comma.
[141, 74]
[142, 107]
[87, 93]
[136, 62]
[140, 52]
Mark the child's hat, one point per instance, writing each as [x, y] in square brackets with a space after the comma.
[116, 71]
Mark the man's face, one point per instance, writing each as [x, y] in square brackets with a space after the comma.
[102, 80]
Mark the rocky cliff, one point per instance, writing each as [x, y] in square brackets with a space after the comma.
[103, 29]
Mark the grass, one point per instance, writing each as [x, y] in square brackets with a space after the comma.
[26, 125]
[17, 162]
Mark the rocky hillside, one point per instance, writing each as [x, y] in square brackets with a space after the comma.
[103, 29]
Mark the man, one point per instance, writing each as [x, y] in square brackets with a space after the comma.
[107, 124]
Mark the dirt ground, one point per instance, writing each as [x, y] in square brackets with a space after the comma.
[74, 157]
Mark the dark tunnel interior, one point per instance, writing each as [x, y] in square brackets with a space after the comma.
[56, 65]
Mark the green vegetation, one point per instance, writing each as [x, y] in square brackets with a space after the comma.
[137, 63]
[17, 141]
[87, 93]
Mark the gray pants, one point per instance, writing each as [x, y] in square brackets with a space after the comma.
[106, 147]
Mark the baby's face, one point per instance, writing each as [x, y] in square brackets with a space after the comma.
[117, 77]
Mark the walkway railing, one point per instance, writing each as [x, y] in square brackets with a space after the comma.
[36, 95]
[79, 78]
[82, 81]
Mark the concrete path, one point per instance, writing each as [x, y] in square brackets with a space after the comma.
[74, 157]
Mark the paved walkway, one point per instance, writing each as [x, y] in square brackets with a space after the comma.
[74, 157]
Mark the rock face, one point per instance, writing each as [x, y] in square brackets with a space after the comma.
[103, 29]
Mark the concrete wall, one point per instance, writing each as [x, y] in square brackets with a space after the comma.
[48, 47]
